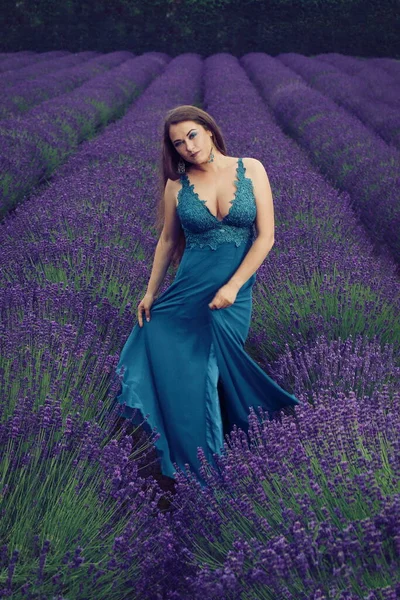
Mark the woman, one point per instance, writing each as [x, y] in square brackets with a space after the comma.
[184, 363]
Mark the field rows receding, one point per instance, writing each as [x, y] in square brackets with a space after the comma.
[41, 69]
[354, 158]
[372, 95]
[300, 502]
[16, 61]
[19, 97]
[34, 145]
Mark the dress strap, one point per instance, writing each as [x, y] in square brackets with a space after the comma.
[241, 169]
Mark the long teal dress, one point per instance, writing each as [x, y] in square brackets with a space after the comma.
[186, 368]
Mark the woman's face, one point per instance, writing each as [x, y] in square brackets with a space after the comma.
[191, 141]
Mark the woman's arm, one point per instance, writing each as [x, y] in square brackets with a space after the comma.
[265, 225]
[167, 241]
[226, 295]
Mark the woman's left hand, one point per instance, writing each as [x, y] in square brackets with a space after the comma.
[225, 296]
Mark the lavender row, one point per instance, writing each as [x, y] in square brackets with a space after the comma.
[352, 93]
[77, 231]
[42, 68]
[86, 517]
[34, 145]
[375, 82]
[366, 69]
[18, 62]
[80, 271]
[23, 96]
[390, 65]
[378, 82]
[20, 54]
[300, 511]
[355, 159]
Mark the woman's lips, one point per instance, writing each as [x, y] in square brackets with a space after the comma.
[194, 155]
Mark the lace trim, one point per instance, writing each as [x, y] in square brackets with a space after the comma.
[216, 237]
[202, 228]
[239, 174]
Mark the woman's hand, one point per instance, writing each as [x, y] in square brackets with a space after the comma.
[144, 305]
[225, 296]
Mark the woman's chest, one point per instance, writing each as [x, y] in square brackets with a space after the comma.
[230, 202]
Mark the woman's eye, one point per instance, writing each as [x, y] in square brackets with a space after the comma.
[191, 136]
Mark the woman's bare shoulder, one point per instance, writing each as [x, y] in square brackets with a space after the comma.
[171, 192]
[252, 164]
[173, 184]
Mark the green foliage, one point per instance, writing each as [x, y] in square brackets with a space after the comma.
[357, 27]
[65, 499]
[342, 314]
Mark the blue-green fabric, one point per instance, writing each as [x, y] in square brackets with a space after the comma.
[171, 366]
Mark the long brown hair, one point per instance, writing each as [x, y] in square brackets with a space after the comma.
[170, 158]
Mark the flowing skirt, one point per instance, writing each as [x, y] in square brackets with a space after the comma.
[177, 364]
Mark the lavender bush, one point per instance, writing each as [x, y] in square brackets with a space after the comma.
[364, 68]
[76, 520]
[305, 510]
[390, 65]
[354, 158]
[22, 96]
[34, 145]
[357, 365]
[44, 67]
[355, 93]
[302, 508]
[18, 62]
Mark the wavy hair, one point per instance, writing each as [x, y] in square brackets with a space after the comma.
[170, 158]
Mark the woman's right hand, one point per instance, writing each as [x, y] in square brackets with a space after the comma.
[144, 305]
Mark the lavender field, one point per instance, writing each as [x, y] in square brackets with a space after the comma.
[306, 508]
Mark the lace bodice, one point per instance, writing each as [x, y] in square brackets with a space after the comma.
[202, 228]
